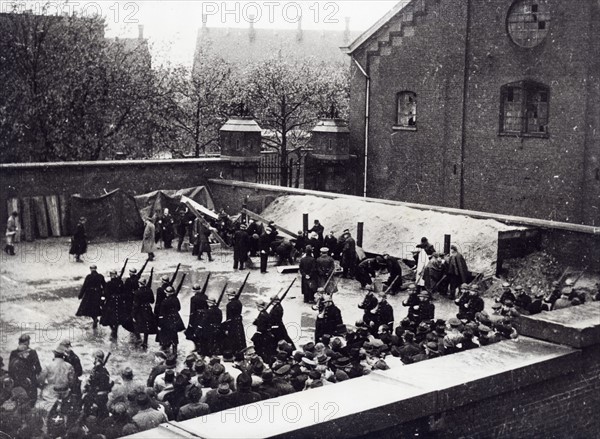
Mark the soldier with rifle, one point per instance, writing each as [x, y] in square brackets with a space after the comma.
[263, 341]
[278, 329]
[98, 386]
[91, 294]
[232, 329]
[144, 320]
[325, 267]
[329, 321]
[160, 291]
[130, 286]
[210, 329]
[169, 320]
[384, 313]
[114, 311]
[198, 308]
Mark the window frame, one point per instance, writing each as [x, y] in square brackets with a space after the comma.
[514, 38]
[397, 125]
[527, 88]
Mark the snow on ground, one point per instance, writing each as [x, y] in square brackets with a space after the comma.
[394, 229]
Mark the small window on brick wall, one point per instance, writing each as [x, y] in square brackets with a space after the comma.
[524, 108]
[528, 22]
[406, 109]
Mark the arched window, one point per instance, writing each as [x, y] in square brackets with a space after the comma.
[406, 109]
[524, 108]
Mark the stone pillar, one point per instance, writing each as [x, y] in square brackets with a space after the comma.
[240, 139]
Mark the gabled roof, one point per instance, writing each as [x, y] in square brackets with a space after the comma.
[242, 45]
[366, 35]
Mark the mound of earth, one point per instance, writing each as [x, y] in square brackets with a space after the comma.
[394, 229]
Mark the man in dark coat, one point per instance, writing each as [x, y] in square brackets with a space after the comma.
[241, 246]
[299, 245]
[426, 309]
[328, 321]
[73, 359]
[308, 272]
[160, 292]
[210, 334]
[169, 321]
[79, 241]
[331, 242]
[412, 302]
[395, 274]
[264, 342]
[24, 367]
[284, 253]
[198, 307]
[522, 299]
[167, 227]
[458, 273]
[144, 320]
[114, 311]
[91, 295]
[201, 237]
[368, 304]
[384, 314]
[318, 229]
[435, 273]
[64, 413]
[264, 247]
[130, 286]
[232, 329]
[325, 266]
[366, 270]
[278, 329]
[536, 305]
[184, 225]
[349, 258]
[257, 229]
[313, 241]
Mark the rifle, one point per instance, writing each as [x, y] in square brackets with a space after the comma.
[392, 284]
[106, 360]
[239, 293]
[282, 296]
[439, 282]
[143, 268]
[123, 269]
[150, 278]
[180, 284]
[175, 274]
[205, 284]
[327, 282]
[222, 293]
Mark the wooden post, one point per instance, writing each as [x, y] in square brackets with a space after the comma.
[359, 234]
[244, 218]
[305, 222]
[446, 244]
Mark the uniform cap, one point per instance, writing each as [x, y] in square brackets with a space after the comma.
[165, 278]
[132, 271]
[454, 322]
[518, 288]
[324, 250]
[505, 285]
[231, 292]
[93, 267]
[197, 287]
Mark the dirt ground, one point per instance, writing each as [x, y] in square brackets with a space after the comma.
[39, 288]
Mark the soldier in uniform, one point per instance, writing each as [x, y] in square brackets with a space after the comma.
[278, 329]
[329, 320]
[211, 329]
[308, 272]
[241, 247]
[160, 292]
[91, 295]
[64, 413]
[384, 314]
[98, 387]
[169, 321]
[412, 302]
[263, 340]
[234, 337]
[198, 307]
[130, 286]
[426, 309]
[114, 312]
[349, 259]
[144, 320]
[325, 266]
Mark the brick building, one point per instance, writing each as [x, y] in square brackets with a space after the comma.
[489, 105]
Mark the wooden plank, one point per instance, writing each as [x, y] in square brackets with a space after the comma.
[41, 216]
[27, 219]
[53, 214]
[64, 214]
[199, 207]
[257, 217]
[288, 268]
[204, 222]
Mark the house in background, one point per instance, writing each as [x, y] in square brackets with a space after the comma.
[489, 105]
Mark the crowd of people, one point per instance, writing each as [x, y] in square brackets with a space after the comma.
[224, 371]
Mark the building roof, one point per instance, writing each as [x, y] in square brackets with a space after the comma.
[238, 124]
[242, 46]
[366, 35]
[331, 126]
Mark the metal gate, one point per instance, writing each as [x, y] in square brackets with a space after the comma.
[269, 170]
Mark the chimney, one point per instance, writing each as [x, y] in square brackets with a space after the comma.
[299, 35]
[252, 32]
[347, 31]
[140, 31]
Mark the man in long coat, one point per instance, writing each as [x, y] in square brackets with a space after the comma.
[201, 235]
[434, 274]
[241, 247]
[308, 272]
[325, 266]
[278, 329]
[329, 320]
[91, 295]
[349, 259]
[458, 273]
[114, 311]
[144, 320]
[395, 273]
[211, 329]
[232, 329]
[148, 244]
[198, 307]
[169, 321]
[79, 241]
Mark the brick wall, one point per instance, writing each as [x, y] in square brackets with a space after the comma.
[553, 178]
[92, 178]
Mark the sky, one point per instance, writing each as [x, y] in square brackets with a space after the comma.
[171, 26]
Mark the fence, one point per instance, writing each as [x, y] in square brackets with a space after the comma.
[269, 170]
